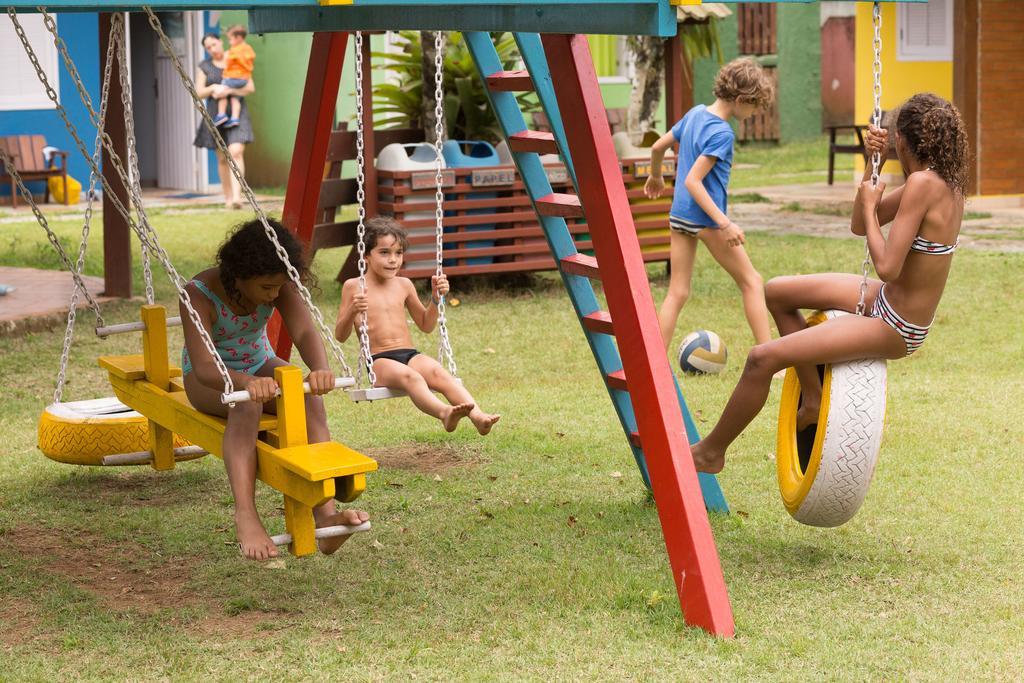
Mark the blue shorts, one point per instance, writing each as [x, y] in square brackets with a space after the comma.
[685, 227]
[235, 83]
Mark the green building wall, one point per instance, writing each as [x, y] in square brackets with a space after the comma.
[798, 42]
[280, 76]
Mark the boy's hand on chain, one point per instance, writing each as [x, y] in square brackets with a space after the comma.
[440, 286]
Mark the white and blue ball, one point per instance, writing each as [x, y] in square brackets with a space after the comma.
[702, 352]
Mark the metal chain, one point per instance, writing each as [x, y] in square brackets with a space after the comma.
[69, 329]
[444, 350]
[876, 67]
[114, 201]
[876, 157]
[365, 357]
[307, 298]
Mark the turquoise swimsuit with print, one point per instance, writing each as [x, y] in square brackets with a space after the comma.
[241, 340]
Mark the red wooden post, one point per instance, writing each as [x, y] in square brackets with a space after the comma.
[691, 547]
[117, 243]
[678, 82]
[316, 120]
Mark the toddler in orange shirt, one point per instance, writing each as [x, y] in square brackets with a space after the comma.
[237, 74]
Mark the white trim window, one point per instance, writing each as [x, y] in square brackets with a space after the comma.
[925, 31]
[20, 88]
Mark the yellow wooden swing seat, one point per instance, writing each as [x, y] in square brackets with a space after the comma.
[308, 475]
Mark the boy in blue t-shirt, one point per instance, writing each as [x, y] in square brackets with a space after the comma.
[699, 205]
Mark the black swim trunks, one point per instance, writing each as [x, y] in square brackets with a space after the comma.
[403, 356]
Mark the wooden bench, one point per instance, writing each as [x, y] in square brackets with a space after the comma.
[836, 148]
[308, 475]
[26, 152]
[858, 130]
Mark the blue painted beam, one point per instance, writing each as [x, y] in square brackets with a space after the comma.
[642, 17]
[592, 16]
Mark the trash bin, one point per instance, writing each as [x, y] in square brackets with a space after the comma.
[649, 215]
[472, 154]
[419, 156]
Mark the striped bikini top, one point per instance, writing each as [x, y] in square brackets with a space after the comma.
[923, 246]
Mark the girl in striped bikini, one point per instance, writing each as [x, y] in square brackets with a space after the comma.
[912, 263]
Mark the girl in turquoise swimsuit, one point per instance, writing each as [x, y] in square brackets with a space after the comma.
[912, 263]
[235, 299]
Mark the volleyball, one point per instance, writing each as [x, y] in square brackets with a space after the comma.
[702, 352]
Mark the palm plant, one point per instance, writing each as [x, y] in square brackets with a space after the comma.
[399, 102]
[699, 40]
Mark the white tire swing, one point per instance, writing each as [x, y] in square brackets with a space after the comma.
[824, 472]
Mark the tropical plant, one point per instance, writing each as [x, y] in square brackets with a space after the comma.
[699, 40]
[398, 102]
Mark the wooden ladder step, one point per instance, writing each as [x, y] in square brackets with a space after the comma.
[560, 205]
[533, 141]
[599, 321]
[616, 380]
[582, 265]
[510, 81]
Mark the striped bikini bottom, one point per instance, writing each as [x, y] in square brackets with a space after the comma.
[913, 335]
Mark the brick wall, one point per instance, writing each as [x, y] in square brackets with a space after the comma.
[1000, 126]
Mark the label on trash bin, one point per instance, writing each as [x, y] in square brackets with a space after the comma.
[642, 169]
[490, 177]
[556, 174]
[424, 180]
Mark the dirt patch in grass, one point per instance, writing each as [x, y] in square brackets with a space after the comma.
[122, 575]
[20, 623]
[134, 487]
[243, 624]
[424, 458]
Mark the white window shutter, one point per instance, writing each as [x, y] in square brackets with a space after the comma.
[925, 31]
[20, 88]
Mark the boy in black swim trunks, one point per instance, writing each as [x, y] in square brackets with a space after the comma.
[386, 303]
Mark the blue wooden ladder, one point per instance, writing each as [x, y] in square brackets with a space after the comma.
[552, 208]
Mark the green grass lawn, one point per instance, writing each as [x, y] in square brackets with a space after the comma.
[804, 161]
[522, 556]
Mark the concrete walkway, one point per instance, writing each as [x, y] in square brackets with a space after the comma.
[990, 223]
[40, 299]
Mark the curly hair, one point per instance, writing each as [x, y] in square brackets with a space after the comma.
[248, 252]
[935, 134]
[743, 80]
[385, 226]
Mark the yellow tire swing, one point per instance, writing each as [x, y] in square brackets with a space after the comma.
[824, 472]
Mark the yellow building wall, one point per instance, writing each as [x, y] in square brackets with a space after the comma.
[900, 80]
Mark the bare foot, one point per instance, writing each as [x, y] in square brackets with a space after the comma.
[450, 418]
[483, 421]
[807, 415]
[253, 540]
[345, 517]
[706, 460]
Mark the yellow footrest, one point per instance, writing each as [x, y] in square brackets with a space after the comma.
[320, 461]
